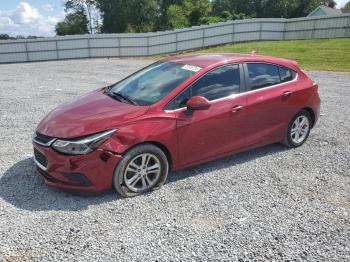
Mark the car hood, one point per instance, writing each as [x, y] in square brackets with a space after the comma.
[91, 113]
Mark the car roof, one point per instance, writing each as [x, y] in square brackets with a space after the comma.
[210, 60]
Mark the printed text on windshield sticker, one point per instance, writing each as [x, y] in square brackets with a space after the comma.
[191, 68]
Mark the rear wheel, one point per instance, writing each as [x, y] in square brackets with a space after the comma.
[298, 129]
[142, 169]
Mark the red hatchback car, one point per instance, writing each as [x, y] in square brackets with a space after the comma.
[178, 112]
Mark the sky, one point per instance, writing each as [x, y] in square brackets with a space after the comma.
[39, 17]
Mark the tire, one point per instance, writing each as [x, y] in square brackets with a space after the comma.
[294, 129]
[138, 172]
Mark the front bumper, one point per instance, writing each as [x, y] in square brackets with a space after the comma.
[92, 172]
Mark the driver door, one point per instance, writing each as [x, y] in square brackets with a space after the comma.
[205, 134]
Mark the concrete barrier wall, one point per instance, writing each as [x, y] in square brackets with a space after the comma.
[155, 43]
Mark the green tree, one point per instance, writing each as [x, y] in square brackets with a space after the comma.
[331, 3]
[73, 23]
[114, 15]
[162, 22]
[269, 8]
[142, 15]
[150, 15]
[33, 37]
[210, 19]
[200, 8]
[347, 6]
[4, 37]
[121, 16]
[236, 6]
[85, 6]
[176, 17]
[302, 8]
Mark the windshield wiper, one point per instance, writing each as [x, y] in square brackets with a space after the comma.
[120, 97]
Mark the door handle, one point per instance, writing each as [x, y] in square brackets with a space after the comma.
[287, 93]
[236, 109]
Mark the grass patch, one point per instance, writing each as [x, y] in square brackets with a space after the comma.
[322, 54]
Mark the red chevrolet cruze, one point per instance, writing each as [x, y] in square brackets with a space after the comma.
[178, 112]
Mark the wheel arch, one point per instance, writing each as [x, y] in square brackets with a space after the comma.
[312, 114]
[161, 146]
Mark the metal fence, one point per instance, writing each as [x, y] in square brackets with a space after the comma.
[155, 43]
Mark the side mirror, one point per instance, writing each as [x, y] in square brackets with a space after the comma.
[198, 103]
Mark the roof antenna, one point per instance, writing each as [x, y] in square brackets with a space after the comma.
[253, 52]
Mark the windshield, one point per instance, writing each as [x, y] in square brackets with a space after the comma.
[152, 83]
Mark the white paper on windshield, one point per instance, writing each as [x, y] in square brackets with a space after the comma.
[191, 68]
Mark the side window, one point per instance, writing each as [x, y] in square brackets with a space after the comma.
[218, 83]
[179, 101]
[262, 75]
[286, 74]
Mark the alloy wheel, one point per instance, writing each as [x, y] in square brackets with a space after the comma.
[142, 172]
[300, 129]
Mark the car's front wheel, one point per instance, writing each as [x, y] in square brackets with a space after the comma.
[298, 129]
[142, 169]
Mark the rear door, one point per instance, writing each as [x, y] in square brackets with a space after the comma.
[270, 96]
[207, 133]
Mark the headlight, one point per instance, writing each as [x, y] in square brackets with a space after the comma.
[82, 146]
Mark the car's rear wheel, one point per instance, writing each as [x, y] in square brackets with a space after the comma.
[142, 169]
[298, 129]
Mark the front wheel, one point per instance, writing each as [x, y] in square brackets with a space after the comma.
[298, 129]
[142, 169]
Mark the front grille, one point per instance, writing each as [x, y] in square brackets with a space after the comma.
[42, 139]
[40, 158]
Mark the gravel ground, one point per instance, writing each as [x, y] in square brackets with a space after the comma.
[266, 204]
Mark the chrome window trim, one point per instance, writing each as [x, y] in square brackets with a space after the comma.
[175, 110]
[240, 94]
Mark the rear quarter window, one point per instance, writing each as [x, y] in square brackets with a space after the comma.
[262, 75]
[286, 74]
